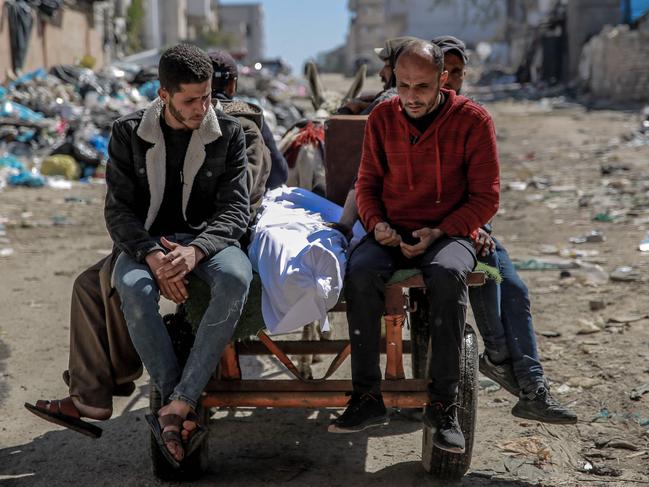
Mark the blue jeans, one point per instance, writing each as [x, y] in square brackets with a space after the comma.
[503, 316]
[228, 274]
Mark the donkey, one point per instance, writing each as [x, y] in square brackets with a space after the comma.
[303, 144]
[303, 148]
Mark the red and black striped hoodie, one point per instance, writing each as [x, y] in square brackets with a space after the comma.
[446, 177]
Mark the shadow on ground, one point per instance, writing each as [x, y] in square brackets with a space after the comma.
[253, 447]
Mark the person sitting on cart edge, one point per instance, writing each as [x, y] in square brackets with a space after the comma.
[502, 311]
[419, 212]
[102, 361]
[177, 202]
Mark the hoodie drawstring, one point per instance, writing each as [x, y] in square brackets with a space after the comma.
[438, 169]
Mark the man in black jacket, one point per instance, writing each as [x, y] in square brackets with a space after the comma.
[177, 203]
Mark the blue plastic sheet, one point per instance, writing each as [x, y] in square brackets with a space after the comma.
[15, 110]
[150, 89]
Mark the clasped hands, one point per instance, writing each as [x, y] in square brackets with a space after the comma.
[171, 269]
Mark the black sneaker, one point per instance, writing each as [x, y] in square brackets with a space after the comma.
[441, 417]
[541, 406]
[363, 411]
[503, 374]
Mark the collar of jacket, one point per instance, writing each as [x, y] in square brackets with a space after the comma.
[156, 157]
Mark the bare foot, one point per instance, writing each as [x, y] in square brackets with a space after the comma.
[91, 412]
[181, 409]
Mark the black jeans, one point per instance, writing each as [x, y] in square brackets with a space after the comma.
[445, 266]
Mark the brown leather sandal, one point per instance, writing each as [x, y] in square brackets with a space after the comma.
[64, 413]
[163, 438]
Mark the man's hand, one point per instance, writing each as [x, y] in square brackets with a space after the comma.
[484, 244]
[174, 291]
[386, 235]
[179, 262]
[426, 237]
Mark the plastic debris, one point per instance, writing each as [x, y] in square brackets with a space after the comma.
[588, 327]
[489, 385]
[61, 165]
[624, 274]
[544, 264]
[595, 236]
[644, 243]
[6, 252]
[636, 393]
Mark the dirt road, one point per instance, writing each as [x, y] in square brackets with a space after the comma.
[559, 150]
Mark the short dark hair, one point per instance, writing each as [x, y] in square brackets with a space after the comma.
[183, 64]
[423, 50]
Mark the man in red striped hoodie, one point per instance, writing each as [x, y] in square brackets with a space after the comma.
[428, 179]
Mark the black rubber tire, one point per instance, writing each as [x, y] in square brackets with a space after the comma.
[193, 466]
[445, 465]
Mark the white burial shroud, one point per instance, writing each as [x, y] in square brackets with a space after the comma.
[301, 262]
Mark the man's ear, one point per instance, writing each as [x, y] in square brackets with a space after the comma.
[443, 77]
[163, 94]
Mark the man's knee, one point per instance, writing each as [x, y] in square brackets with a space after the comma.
[234, 271]
[445, 282]
[87, 283]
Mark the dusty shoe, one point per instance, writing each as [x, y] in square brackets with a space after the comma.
[363, 411]
[442, 418]
[503, 374]
[541, 406]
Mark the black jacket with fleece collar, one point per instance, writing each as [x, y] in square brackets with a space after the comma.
[215, 201]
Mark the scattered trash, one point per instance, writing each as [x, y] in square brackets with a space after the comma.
[544, 264]
[608, 169]
[6, 252]
[622, 444]
[644, 244]
[601, 470]
[591, 274]
[583, 382]
[588, 327]
[528, 446]
[517, 185]
[624, 274]
[596, 304]
[549, 333]
[58, 220]
[595, 236]
[61, 165]
[636, 393]
[627, 319]
[603, 413]
[489, 385]
[563, 389]
[604, 217]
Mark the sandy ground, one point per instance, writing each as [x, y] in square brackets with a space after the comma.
[595, 373]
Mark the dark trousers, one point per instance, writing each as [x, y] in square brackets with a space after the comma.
[101, 352]
[445, 266]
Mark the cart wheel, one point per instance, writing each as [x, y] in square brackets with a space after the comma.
[193, 466]
[446, 465]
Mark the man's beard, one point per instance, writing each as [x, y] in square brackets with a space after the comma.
[174, 112]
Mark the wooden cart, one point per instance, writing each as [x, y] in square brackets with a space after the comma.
[405, 297]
